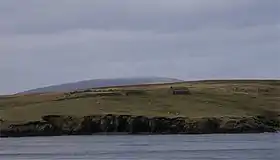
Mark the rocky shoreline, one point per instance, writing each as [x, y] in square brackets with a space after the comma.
[56, 125]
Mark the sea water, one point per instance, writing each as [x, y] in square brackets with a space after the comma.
[144, 147]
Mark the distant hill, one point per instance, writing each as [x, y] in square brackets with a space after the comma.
[96, 83]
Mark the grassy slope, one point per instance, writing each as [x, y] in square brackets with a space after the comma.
[208, 98]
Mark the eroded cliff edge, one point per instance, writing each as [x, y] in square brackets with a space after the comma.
[55, 125]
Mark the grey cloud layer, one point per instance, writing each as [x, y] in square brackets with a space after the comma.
[50, 42]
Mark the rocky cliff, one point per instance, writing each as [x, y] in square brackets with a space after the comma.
[54, 125]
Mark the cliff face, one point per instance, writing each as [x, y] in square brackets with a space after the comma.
[53, 125]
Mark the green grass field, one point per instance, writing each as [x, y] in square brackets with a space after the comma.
[207, 99]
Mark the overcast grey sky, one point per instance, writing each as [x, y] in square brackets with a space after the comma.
[44, 42]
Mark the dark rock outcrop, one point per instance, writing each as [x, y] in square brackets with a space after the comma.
[203, 125]
[64, 124]
[67, 125]
[36, 128]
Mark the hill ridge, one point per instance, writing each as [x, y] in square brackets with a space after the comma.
[97, 83]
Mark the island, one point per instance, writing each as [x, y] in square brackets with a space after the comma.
[194, 107]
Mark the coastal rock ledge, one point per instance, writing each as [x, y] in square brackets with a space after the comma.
[56, 125]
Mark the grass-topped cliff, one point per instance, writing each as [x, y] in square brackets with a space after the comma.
[185, 108]
[207, 99]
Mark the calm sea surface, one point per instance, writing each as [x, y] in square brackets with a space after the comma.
[155, 147]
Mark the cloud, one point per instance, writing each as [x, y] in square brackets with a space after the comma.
[51, 42]
[33, 16]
